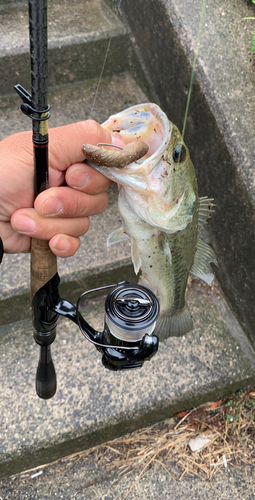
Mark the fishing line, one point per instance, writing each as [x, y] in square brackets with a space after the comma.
[188, 98]
[103, 66]
[187, 109]
[194, 64]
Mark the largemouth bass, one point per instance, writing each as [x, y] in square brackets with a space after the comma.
[160, 209]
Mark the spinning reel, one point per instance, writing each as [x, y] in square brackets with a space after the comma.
[125, 343]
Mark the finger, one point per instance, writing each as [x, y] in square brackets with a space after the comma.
[13, 242]
[85, 178]
[64, 202]
[28, 222]
[65, 145]
[63, 245]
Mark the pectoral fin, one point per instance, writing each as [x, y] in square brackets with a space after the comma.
[201, 265]
[116, 236]
[182, 213]
[167, 252]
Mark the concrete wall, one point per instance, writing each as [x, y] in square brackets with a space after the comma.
[219, 132]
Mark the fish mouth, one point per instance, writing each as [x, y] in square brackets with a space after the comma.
[144, 122]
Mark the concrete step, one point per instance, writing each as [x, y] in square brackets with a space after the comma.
[220, 126]
[93, 405]
[78, 37]
[94, 264]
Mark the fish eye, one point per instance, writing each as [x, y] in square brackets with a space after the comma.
[179, 153]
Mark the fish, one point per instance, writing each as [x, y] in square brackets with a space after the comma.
[162, 214]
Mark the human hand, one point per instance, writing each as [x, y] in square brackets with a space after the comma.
[61, 213]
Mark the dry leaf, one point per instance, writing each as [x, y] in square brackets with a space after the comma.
[200, 441]
[213, 406]
[182, 414]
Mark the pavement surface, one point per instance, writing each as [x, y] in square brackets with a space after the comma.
[90, 477]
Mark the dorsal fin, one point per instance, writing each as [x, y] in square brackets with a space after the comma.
[204, 212]
[201, 265]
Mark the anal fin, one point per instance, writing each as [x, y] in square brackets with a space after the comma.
[201, 266]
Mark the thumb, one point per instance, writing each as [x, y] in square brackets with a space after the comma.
[65, 143]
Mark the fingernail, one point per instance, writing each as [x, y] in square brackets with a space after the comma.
[23, 224]
[61, 244]
[79, 179]
[52, 206]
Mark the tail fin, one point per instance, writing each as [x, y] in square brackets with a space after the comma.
[174, 326]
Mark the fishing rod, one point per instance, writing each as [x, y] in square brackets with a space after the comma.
[43, 261]
[130, 310]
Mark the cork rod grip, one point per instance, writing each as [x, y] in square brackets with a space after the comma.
[43, 265]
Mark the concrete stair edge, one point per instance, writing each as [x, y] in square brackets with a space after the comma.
[77, 47]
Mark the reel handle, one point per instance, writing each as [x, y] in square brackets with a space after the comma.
[46, 380]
